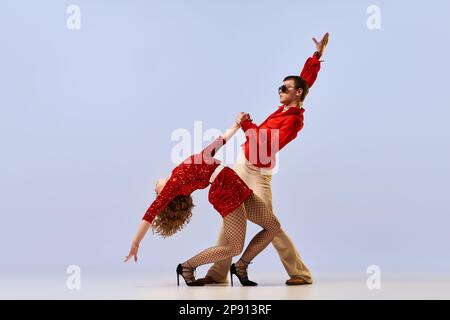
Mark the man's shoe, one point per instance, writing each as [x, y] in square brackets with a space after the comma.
[210, 280]
[296, 281]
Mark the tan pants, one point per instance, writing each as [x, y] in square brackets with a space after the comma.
[259, 181]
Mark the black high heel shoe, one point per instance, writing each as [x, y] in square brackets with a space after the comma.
[241, 273]
[189, 278]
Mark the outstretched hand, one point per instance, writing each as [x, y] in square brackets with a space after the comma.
[321, 45]
[133, 253]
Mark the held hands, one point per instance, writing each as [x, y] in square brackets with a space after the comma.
[322, 44]
[242, 116]
[133, 252]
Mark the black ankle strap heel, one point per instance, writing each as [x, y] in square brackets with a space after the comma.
[241, 274]
[188, 276]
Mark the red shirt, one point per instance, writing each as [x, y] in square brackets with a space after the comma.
[261, 145]
[280, 128]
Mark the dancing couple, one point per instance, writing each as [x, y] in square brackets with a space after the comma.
[239, 194]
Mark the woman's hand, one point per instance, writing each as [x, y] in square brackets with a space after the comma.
[236, 125]
[133, 252]
[242, 116]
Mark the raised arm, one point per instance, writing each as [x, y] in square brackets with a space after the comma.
[214, 146]
[230, 131]
[311, 67]
[322, 44]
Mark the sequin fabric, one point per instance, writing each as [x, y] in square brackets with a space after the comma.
[228, 191]
[193, 173]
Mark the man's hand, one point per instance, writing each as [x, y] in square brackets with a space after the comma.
[322, 44]
[242, 116]
[133, 253]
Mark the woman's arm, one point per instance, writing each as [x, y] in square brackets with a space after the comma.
[230, 132]
[140, 234]
[240, 119]
[167, 194]
[143, 228]
[214, 146]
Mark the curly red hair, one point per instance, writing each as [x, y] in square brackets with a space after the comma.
[173, 217]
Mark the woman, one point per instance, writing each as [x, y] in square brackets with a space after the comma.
[229, 195]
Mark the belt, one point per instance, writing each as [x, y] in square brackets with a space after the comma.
[216, 172]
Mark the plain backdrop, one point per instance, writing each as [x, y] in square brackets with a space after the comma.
[86, 118]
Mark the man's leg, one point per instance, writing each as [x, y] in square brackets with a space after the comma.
[260, 184]
[290, 258]
[287, 252]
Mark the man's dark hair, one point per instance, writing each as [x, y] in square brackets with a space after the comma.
[299, 83]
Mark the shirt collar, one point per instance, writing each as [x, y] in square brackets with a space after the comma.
[290, 110]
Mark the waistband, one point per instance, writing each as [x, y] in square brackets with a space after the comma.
[216, 172]
[242, 160]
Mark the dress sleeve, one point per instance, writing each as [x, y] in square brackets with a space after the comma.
[213, 147]
[247, 124]
[167, 194]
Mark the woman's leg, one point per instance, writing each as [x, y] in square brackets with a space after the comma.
[259, 213]
[234, 225]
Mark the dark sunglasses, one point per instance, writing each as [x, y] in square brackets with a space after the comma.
[284, 88]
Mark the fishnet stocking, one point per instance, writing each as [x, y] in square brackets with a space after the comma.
[259, 213]
[235, 225]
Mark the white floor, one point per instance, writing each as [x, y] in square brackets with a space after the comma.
[271, 286]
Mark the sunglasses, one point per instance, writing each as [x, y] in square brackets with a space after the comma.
[284, 88]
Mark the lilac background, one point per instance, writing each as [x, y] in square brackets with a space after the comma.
[87, 116]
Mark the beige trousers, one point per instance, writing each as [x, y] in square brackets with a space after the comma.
[259, 181]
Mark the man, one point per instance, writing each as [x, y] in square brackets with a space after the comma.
[287, 120]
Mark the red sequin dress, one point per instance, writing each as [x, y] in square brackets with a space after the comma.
[227, 192]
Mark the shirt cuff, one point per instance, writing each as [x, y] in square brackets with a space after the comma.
[245, 125]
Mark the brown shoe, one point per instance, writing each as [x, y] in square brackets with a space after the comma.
[296, 281]
[210, 280]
